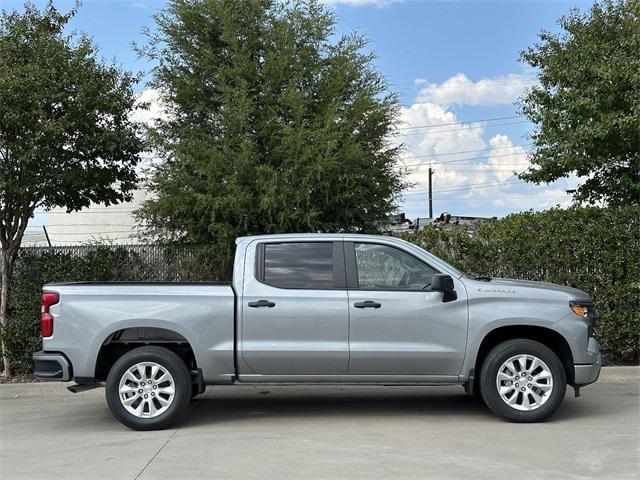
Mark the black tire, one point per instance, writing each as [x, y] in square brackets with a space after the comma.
[182, 386]
[489, 371]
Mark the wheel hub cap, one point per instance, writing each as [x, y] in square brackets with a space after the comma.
[146, 390]
[524, 382]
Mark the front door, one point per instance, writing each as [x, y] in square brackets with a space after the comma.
[398, 326]
[295, 317]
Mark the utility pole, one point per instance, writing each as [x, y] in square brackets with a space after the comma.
[430, 194]
[46, 234]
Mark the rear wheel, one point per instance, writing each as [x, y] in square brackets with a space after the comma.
[522, 381]
[148, 388]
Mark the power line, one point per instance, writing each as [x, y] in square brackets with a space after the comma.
[524, 195]
[461, 160]
[460, 123]
[466, 187]
[478, 185]
[466, 151]
[464, 128]
[532, 196]
[486, 170]
[464, 168]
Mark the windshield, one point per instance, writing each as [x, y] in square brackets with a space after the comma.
[450, 267]
[455, 270]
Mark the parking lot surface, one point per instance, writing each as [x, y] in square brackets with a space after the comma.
[327, 432]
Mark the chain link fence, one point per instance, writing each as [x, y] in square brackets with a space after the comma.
[36, 266]
[144, 263]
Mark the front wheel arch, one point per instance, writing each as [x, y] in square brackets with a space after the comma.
[531, 401]
[550, 338]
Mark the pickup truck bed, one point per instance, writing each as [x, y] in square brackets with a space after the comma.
[200, 314]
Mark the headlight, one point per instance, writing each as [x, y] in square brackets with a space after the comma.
[579, 309]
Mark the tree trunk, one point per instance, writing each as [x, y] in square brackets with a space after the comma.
[5, 275]
[12, 229]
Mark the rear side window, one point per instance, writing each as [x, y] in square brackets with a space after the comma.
[299, 265]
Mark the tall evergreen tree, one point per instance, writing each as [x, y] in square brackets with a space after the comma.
[273, 125]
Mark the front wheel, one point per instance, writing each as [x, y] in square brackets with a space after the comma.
[148, 388]
[522, 381]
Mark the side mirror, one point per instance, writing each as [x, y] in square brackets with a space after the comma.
[441, 282]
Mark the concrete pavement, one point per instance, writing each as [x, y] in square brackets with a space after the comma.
[323, 432]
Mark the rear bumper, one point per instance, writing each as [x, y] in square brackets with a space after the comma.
[52, 366]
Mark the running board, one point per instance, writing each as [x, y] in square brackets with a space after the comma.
[82, 388]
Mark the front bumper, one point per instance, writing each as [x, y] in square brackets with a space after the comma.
[586, 373]
[52, 366]
[589, 373]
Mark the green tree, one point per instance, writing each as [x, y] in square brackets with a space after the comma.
[66, 138]
[587, 103]
[272, 124]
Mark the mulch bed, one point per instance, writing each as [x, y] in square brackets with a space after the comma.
[20, 378]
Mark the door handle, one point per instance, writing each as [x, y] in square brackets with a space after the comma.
[367, 304]
[262, 303]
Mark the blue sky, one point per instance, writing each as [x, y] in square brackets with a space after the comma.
[453, 63]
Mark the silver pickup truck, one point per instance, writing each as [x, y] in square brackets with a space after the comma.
[320, 308]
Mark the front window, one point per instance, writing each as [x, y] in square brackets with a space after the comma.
[381, 267]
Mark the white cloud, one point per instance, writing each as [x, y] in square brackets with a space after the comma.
[155, 109]
[460, 90]
[141, 4]
[427, 146]
[473, 174]
[504, 158]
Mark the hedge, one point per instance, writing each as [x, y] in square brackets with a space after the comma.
[594, 249]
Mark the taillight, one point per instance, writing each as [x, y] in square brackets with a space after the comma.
[46, 319]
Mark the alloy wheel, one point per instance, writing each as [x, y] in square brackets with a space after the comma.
[146, 390]
[524, 382]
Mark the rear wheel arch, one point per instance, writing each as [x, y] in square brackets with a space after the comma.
[123, 340]
[546, 336]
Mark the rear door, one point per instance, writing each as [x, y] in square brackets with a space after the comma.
[398, 326]
[295, 318]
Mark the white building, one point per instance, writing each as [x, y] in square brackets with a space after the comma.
[98, 224]
[34, 237]
[114, 224]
